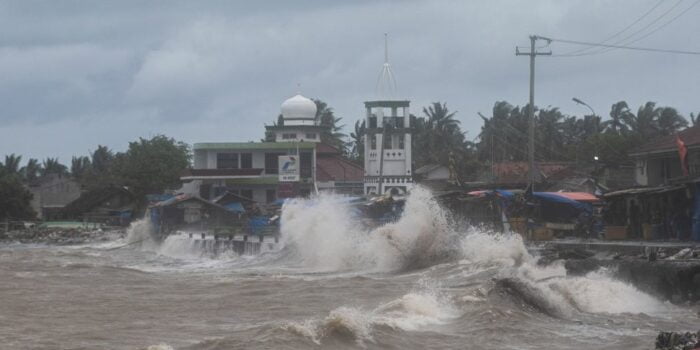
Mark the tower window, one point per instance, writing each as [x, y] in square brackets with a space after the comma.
[387, 142]
[401, 141]
[373, 122]
[373, 143]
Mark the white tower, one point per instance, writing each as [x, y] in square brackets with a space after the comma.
[387, 137]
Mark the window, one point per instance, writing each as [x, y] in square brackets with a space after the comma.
[373, 143]
[311, 135]
[305, 164]
[289, 136]
[373, 121]
[247, 194]
[227, 160]
[387, 141]
[272, 162]
[401, 141]
[270, 195]
[246, 160]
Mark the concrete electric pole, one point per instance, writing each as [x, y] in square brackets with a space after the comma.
[531, 109]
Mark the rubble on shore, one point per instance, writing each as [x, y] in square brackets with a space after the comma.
[678, 341]
[61, 236]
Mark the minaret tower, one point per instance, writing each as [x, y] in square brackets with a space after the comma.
[387, 137]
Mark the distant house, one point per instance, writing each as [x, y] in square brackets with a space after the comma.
[51, 193]
[658, 162]
[113, 205]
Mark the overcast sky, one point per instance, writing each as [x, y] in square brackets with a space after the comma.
[77, 74]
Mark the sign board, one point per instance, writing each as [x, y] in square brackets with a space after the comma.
[288, 169]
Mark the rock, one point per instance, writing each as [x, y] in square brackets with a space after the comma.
[678, 341]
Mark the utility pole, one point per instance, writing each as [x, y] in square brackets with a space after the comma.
[531, 109]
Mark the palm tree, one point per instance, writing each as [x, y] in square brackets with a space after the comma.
[358, 141]
[332, 133]
[102, 159]
[53, 166]
[11, 165]
[669, 121]
[80, 166]
[30, 172]
[644, 124]
[619, 113]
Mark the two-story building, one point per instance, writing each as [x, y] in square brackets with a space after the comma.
[252, 169]
[658, 162]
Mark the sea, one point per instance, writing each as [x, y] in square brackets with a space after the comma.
[424, 281]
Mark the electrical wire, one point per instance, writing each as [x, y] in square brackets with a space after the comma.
[576, 42]
[619, 32]
[619, 44]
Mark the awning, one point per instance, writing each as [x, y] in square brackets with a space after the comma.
[579, 196]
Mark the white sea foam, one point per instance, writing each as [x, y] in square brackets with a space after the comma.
[324, 234]
[596, 292]
[411, 312]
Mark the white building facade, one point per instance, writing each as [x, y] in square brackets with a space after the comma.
[388, 147]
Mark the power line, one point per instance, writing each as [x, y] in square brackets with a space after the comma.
[665, 24]
[618, 44]
[619, 32]
[575, 42]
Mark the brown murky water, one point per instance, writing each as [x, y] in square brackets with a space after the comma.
[332, 286]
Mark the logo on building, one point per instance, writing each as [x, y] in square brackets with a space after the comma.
[288, 169]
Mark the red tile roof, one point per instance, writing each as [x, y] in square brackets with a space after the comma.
[690, 136]
[337, 168]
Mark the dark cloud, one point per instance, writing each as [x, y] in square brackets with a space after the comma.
[79, 74]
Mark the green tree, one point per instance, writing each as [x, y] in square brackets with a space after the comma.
[153, 166]
[332, 133]
[11, 165]
[357, 137]
[31, 171]
[53, 166]
[80, 167]
[15, 199]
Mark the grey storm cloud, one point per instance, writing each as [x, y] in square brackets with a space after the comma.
[77, 74]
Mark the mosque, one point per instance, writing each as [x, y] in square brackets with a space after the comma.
[298, 163]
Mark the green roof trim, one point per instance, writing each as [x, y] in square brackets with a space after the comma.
[254, 145]
[265, 180]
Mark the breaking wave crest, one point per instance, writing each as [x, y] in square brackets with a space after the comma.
[549, 288]
[411, 312]
[324, 234]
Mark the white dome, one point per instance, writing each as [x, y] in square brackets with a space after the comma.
[298, 107]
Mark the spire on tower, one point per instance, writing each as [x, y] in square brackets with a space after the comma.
[386, 84]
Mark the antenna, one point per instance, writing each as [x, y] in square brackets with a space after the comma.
[386, 83]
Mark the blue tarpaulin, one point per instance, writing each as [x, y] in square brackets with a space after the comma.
[235, 207]
[556, 198]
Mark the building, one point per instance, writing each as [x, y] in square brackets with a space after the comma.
[388, 162]
[259, 170]
[658, 162]
[51, 193]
